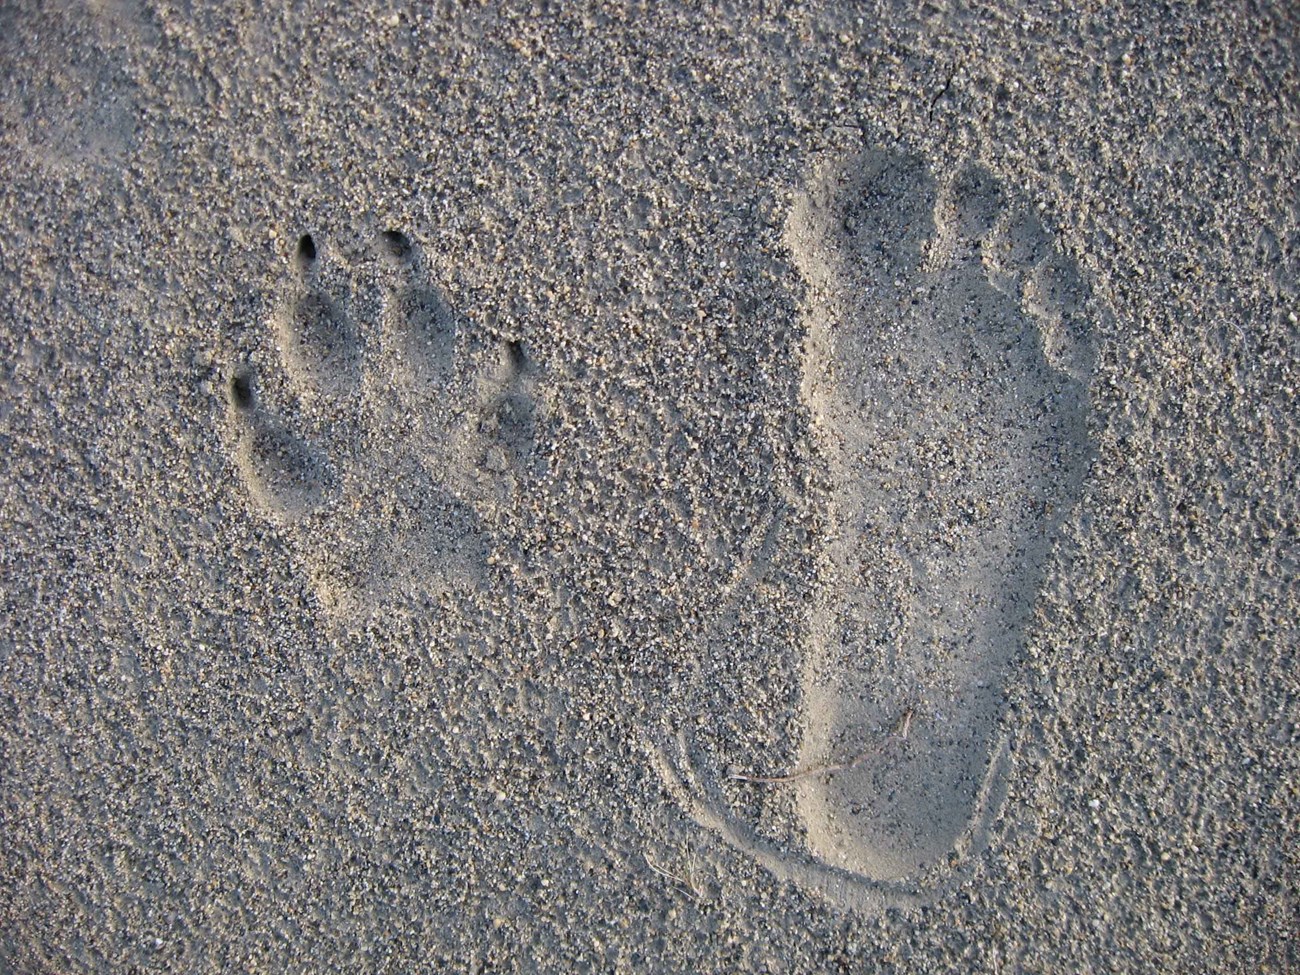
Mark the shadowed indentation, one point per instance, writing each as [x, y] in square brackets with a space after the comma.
[305, 256]
[241, 390]
[395, 245]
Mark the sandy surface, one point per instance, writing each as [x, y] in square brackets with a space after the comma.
[648, 490]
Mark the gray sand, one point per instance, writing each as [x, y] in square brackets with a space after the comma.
[648, 490]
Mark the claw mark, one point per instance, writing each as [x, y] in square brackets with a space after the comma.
[944, 90]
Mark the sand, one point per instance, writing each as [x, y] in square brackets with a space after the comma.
[617, 490]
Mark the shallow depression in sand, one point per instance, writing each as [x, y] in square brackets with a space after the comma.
[952, 420]
[421, 425]
[946, 363]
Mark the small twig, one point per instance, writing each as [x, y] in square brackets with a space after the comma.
[905, 726]
[684, 886]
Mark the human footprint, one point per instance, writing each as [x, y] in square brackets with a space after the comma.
[945, 368]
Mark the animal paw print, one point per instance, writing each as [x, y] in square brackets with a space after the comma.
[386, 453]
